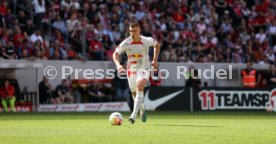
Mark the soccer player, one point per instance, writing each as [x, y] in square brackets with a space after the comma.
[138, 66]
[7, 96]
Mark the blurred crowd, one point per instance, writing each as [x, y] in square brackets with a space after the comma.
[232, 31]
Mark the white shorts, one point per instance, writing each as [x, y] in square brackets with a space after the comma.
[134, 76]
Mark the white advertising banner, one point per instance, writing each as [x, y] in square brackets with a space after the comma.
[97, 107]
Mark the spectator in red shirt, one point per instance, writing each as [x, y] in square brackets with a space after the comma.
[178, 18]
[260, 21]
[7, 96]
[90, 33]
[96, 49]
[3, 8]
[56, 5]
[18, 38]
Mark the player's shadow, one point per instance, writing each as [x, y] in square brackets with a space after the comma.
[186, 125]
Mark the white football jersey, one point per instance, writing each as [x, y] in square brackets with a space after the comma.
[137, 52]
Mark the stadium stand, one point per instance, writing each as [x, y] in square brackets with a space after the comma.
[232, 31]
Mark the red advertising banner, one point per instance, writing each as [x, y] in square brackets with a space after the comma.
[21, 108]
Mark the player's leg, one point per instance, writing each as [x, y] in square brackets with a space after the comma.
[143, 114]
[142, 109]
[132, 85]
[4, 104]
[138, 98]
[12, 103]
[133, 94]
[130, 100]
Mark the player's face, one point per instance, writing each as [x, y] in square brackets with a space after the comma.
[134, 31]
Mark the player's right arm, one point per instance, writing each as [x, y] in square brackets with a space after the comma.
[120, 49]
[117, 60]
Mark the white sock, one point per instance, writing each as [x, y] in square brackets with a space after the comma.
[137, 104]
[142, 109]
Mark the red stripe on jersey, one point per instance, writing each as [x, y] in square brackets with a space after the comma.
[129, 73]
[133, 62]
[136, 43]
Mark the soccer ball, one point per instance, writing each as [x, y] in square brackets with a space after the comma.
[116, 118]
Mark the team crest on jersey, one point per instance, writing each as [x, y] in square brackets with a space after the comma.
[135, 56]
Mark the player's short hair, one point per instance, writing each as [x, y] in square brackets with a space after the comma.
[135, 24]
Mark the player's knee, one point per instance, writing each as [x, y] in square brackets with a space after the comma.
[140, 88]
[141, 84]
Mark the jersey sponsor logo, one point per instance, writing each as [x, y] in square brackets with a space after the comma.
[233, 99]
[153, 104]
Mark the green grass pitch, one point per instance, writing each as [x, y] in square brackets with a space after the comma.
[162, 127]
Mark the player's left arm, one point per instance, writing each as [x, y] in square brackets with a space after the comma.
[156, 47]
